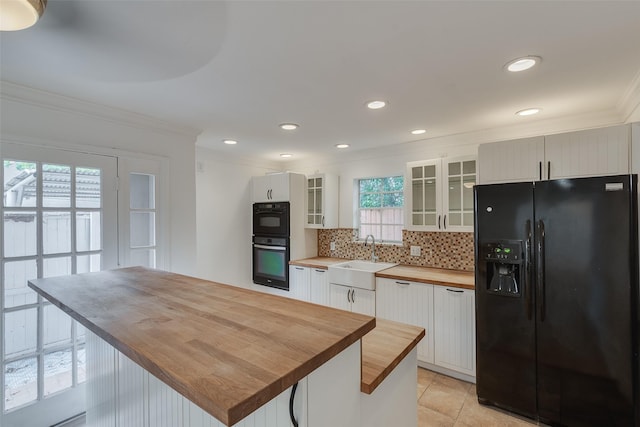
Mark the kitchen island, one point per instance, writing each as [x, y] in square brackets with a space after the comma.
[179, 350]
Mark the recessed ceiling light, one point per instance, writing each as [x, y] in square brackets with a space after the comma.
[521, 64]
[418, 131]
[289, 126]
[529, 112]
[286, 155]
[342, 145]
[230, 141]
[375, 105]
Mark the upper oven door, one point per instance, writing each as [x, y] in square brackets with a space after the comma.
[271, 219]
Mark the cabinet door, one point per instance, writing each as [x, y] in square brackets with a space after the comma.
[279, 187]
[459, 178]
[423, 188]
[594, 152]
[260, 188]
[363, 301]
[411, 303]
[454, 329]
[511, 161]
[299, 282]
[315, 199]
[340, 297]
[320, 287]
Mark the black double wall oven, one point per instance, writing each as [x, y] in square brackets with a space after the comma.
[271, 244]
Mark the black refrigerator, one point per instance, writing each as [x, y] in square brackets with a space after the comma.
[557, 300]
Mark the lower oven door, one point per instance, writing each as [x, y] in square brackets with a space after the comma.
[271, 265]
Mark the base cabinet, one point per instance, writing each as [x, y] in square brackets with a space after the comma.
[454, 323]
[320, 293]
[299, 282]
[357, 300]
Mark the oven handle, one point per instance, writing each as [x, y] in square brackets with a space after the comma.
[278, 212]
[272, 248]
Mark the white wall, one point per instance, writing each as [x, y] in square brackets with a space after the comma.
[33, 117]
[223, 192]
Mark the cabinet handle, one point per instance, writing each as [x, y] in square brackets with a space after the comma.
[445, 222]
[321, 271]
[439, 222]
[349, 295]
[549, 169]
[540, 169]
[403, 283]
[457, 291]
[323, 221]
[299, 268]
[353, 296]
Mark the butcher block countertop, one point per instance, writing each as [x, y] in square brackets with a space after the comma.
[435, 276]
[384, 348]
[227, 349]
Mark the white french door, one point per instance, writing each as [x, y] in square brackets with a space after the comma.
[59, 214]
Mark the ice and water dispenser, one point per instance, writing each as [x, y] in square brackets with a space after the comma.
[505, 268]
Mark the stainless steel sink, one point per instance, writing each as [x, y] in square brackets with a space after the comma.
[356, 273]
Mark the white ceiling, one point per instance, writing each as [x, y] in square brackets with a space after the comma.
[236, 69]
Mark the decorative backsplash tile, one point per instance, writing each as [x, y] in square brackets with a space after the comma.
[440, 250]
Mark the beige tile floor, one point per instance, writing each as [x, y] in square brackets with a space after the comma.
[445, 402]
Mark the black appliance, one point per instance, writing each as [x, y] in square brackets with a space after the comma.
[271, 261]
[557, 324]
[271, 219]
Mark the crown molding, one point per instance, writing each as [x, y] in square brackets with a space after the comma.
[56, 102]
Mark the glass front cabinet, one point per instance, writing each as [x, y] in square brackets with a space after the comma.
[322, 201]
[439, 194]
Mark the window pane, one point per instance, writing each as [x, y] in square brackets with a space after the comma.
[88, 188]
[16, 276]
[19, 183]
[143, 229]
[88, 231]
[370, 200]
[88, 263]
[60, 266]
[454, 168]
[20, 382]
[416, 172]
[393, 183]
[370, 185]
[142, 195]
[56, 326]
[58, 368]
[82, 363]
[56, 232]
[20, 332]
[56, 186]
[430, 171]
[20, 234]
[469, 166]
[144, 257]
[393, 200]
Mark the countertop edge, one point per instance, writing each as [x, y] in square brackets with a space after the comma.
[384, 275]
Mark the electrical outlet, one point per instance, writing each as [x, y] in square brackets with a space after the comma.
[415, 250]
[332, 246]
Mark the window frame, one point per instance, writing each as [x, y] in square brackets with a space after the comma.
[357, 209]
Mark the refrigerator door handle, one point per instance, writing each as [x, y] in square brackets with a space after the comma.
[549, 169]
[528, 272]
[540, 270]
[540, 170]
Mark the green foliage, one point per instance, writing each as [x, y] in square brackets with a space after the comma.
[381, 192]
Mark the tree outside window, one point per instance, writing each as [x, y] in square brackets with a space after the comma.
[381, 208]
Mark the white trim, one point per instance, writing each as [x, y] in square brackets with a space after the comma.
[630, 100]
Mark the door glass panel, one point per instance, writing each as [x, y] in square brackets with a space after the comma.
[430, 219]
[58, 368]
[20, 183]
[455, 192]
[142, 191]
[57, 326]
[20, 331]
[88, 231]
[20, 234]
[21, 382]
[417, 219]
[59, 266]
[319, 200]
[88, 188]
[416, 173]
[56, 186]
[454, 168]
[467, 218]
[454, 219]
[56, 232]
[16, 276]
[143, 229]
[467, 192]
[311, 202]
[88, 263]
[469, 166]
[417, 194]
[430, 195]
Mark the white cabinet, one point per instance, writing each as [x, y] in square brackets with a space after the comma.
[593, 152]
[454, 329]
[322, 201]
[408, 302]
[271, 188]
[357, 300]
[299, 283]
[511, 161]
[439, 194]
[320, 293]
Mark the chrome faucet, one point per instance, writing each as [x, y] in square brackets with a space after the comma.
[373, 246]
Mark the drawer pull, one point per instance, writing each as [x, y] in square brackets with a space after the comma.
[321, 271]
[457, 291]
[299, 268]
[403, 283]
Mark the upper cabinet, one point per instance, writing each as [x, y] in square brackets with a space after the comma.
[322, 201]
[271, 188]
[439, 194]
[593, 152]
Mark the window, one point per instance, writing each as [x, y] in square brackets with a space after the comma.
[381, 208]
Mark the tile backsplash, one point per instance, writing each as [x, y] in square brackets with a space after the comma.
[440, 250]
